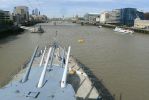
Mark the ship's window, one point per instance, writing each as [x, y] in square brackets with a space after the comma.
[33, 94]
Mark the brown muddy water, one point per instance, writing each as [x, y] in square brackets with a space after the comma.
[121, 61]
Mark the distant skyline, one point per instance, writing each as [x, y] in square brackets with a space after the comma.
[58, 8]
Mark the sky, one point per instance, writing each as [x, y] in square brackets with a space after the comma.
[58, 8]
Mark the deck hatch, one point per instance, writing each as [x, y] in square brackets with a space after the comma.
[33, 94]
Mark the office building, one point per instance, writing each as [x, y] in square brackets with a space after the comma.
[91, 18]
[142, 24]
[21, 14]
[128, 15]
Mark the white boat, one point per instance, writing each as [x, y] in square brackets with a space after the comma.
[122, 30]
[52, 74]
[99, 26]
[37, 29]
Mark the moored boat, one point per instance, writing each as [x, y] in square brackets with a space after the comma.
[37, 30]
[122, 30]
[99, 26]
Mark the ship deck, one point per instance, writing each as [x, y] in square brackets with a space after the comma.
[79, 86]
[29, 91]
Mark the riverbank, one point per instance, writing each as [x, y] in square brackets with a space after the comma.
[134, 29]
[12, 30]
[8, 30]
[113, 26]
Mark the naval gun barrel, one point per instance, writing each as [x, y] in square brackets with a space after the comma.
[64, 78]
[40, 83]
[29, 66]
[42, 57]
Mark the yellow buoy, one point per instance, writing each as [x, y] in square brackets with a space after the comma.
[81, 41]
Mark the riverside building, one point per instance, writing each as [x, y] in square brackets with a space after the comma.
[91, 18]
[124, 16]
[21, 14]
[142, 24]
[5, 15]
[128, 15]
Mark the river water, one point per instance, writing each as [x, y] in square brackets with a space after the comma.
[121, 61]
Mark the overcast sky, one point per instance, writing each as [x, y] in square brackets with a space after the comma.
[57, 8]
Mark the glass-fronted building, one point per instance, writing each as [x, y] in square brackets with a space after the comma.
[128, 15]
[123, 16]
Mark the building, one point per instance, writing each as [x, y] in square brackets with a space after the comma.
[75, 19]
[21, 14]
[142, 24]
[5, 20]
[128, 15]
[124, 16]
[114, 17]
[111, 17]
[38, 19]
[2, 16]
[91, 18]
[104, 16]
[146, 16]
[5, 15]
[35, 12]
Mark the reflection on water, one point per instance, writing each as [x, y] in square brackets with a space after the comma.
[120, 60]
